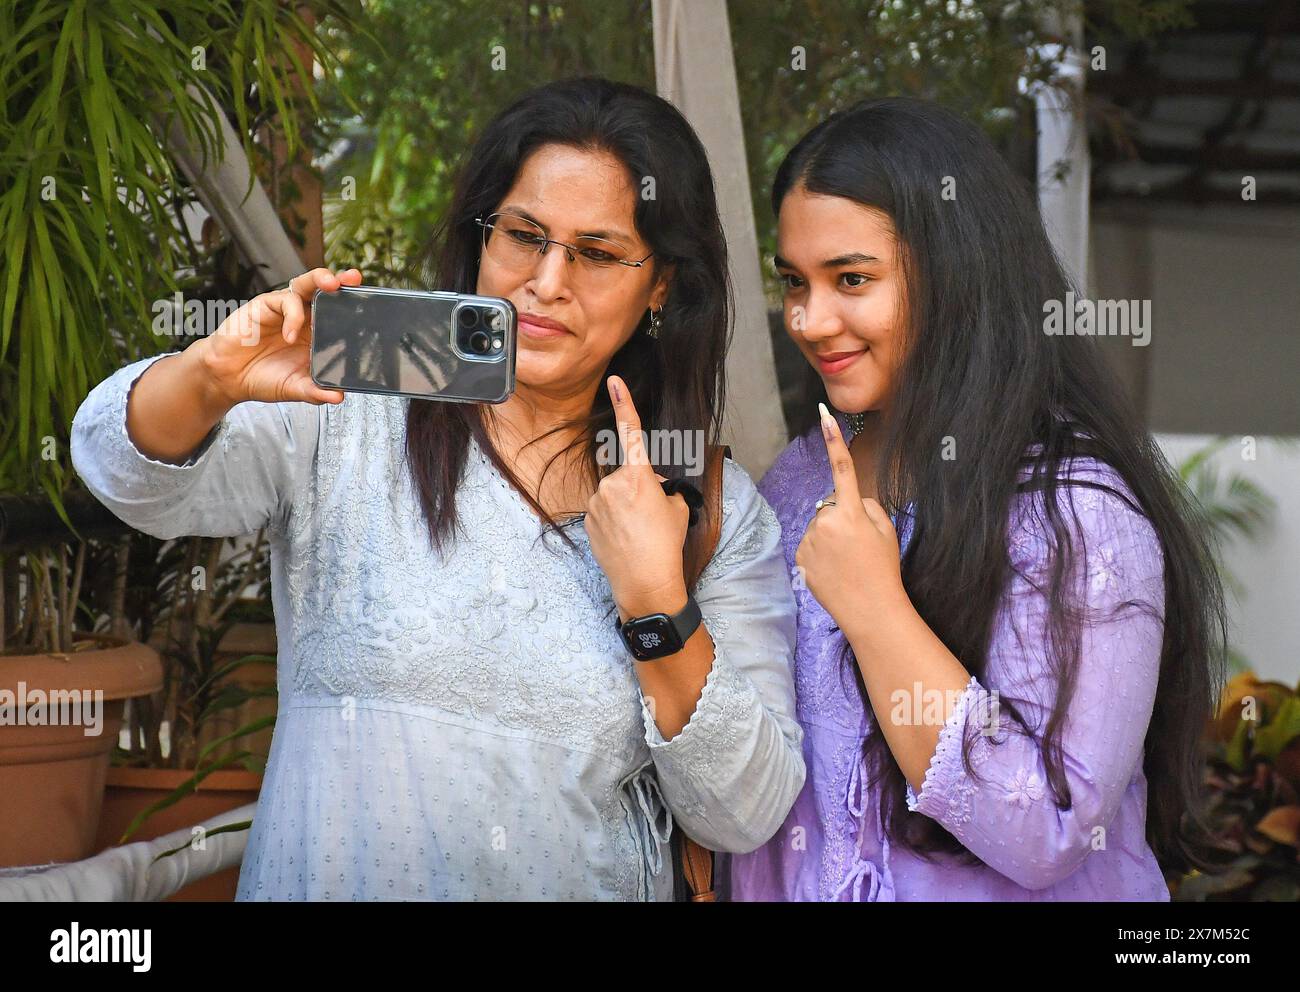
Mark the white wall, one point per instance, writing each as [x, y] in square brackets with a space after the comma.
[1224, 358]
[1266, 616]
[1224, 286]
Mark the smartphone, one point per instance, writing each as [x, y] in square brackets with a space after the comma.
[456, 347]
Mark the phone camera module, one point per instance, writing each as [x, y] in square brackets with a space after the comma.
[478, 334]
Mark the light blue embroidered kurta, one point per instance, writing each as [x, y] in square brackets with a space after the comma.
[465, 725]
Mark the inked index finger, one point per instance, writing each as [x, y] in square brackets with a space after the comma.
[846, 479]
[629, 424]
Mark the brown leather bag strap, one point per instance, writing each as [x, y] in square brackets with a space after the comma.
[697, 867]
[696, 859]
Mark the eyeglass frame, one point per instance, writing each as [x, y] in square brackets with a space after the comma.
[569, 250]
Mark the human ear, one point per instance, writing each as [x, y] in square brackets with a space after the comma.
[663, 283]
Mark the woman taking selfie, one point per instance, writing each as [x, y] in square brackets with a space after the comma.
[1013, 709]
[459, 715]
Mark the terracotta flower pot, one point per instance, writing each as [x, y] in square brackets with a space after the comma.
[52, 777]
[131, 790]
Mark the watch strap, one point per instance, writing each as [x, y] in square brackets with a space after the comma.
[684, 621]
[687, 619]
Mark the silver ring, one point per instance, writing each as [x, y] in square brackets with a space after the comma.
[825, 502]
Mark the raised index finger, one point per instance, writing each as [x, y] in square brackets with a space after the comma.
[629, 425]
[846, 480]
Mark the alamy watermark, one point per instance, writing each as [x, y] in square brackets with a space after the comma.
[133, 946]
[177, 316]
[662, 447]
[1099, 318]
[922, 707]
[53, 708]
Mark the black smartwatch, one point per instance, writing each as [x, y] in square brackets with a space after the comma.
[658, 634]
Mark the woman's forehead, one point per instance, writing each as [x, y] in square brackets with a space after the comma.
[577, 190]
[815, 227]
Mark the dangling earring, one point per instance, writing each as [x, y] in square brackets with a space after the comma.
[856, 421]
[655, 322]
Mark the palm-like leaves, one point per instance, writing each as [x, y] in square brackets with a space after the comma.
[1230, 507]
[87, 222]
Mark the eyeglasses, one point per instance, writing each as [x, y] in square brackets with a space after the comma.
[517, 243]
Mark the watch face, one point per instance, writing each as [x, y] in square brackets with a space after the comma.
[652, 637]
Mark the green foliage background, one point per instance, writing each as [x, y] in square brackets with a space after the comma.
[90, 199]
[425, 85]
[403, 89]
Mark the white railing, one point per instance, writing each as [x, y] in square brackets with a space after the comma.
[129, 873]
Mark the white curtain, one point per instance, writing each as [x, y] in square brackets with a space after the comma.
[694, 70]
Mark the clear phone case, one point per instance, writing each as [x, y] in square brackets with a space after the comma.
[455, 347]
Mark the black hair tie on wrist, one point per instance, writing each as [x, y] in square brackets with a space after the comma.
[694, 499]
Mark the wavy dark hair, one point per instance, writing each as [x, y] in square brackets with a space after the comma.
[676, 379]
[977, 364]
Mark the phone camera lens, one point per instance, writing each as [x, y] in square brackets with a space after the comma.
[480, 342]
[469, 317]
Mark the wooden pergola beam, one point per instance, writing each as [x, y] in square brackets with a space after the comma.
[1230, 157]
[1195, 194]
[1147, 86]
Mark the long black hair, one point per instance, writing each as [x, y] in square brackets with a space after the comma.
[978, 366]
[677, 378]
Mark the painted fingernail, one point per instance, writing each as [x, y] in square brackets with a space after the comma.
[826, 421]
[618, 393]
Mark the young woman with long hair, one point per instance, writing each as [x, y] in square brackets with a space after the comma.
[1010, 628]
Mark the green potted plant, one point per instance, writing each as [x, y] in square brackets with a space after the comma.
[63, 691]
[197, 748]
[1252, 747]
[1253, 784]
[93, 224]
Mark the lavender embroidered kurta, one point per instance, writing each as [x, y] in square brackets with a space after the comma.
[831, 846]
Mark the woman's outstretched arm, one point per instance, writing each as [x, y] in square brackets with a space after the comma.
[209, 441]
